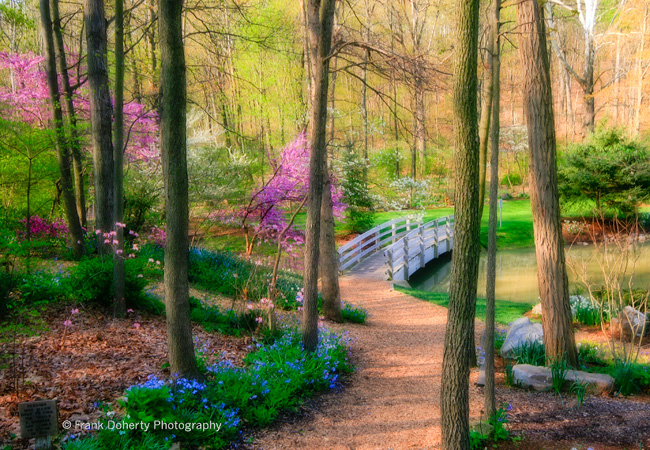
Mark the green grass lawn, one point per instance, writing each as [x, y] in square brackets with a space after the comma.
[505, 311]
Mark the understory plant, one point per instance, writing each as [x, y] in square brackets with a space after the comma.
[530, 352]
[275, 377]
[559, 371]
[496, 431]
[354, 314]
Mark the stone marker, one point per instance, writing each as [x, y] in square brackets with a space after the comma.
[38, 420]
[541, 378]
[520, 331]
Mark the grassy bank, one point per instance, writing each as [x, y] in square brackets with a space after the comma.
[505, 311]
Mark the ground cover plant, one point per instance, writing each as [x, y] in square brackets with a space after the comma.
[276, 377]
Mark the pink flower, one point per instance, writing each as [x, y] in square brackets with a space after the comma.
[158, 262]
[139, 275]
[136, 325]
[67, 323]
[150, 260]
[75, 311]
[98, 231]
[129, 310]
[259, 320]
[250, 306]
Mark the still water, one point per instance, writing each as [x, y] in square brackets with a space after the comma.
[517, 271]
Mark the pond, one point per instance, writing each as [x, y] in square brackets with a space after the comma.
[517, 271]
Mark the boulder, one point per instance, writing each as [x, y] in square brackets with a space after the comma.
[541, 378]
[629, 321]
[537, 310]
[520, 331]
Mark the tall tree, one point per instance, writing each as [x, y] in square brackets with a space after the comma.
[488, 345]
[101, 117]
[173, 143]
[61, 144]
[320, 21]
[549, 244]
[119, 303]
[75, 140]
[331, 291]
[464, 272]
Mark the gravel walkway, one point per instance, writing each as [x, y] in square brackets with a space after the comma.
[393, 401]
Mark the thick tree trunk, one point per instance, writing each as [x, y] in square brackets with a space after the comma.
[101, 118]
[320, 14]
[464, 273]
[173, 143]
[330, 291]
[549, 244]
[62, 149]
[119, 305]
[75, 142]
[490, 399]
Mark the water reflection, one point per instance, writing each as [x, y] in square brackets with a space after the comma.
[517, 271]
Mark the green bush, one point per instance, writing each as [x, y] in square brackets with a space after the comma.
[584, 310]
[227, 322]
[513, 179]
[91, 281]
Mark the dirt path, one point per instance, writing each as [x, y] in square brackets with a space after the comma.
[392, 401]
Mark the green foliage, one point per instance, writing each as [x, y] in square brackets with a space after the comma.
[6, 286]
[228, 322]
[91, 281]
[141, 199]
[530, 352]
[630, 378]
[579, 389]
[354, 314]
[236, 277]
[510, 378]
[608, 169]
[499, 338]
[584, 310]
[559, 370]
[496, 431]
[590, 354]
[513, 179]
[360, 214]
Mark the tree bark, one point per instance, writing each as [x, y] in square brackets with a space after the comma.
[464, 273]
[484, 125]
[119, 276]
[101, 118]
[549, 244]
[75, 141]
[62, 149]
[490, 399]
[320, 15]
[173, 141]
[330, 291]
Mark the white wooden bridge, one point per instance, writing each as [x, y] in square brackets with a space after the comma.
[407, 243]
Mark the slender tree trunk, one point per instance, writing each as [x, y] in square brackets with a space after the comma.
[320, 15]
[119, 276]
[329, 256]
[588, 85]
[62, 150]
[484, 125]
[641, 74]
[75, 141]
[173, 141]
[101, 117]
[549, 244]
[464, 273]
[490, 399]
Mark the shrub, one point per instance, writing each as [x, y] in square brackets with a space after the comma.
[631, 378]
[531, 352]
[354, 314]
[227, 322]
[590, 354]
[91, 280]
[513, 179]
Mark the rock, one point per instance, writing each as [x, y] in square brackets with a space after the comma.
[537, 310]
[634, 322]
[520, 331]
[482, 427]
[481, 378]
[541, 378]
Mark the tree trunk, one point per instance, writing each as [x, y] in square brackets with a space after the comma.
[464, 273]
[101, 119]
[75, 141]
[320, 15]
[331, 291]
[641, 74]
[549, 244]
[62, 149]
[173, 141]
[484, 125]
[119, 303]
[588, 85]
[490, 399]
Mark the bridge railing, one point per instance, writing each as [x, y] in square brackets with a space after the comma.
[418, 247]
[387, 233]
